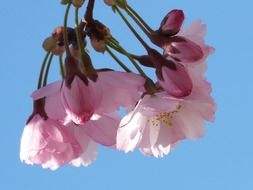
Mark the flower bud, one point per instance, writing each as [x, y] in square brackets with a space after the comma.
[77, 3]
[65, 2]
[183, 49]
[121, 3]
[98, 45]
[49, 43]
[109, 2]
[172, 22]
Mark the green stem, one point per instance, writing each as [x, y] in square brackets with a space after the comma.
[117, 60]
[143, 28]
[66, 41]
[42, 70]
[130, 9]
[47, 69]
[149, 85]
[145, 45]
[117, 48]
[61, 67]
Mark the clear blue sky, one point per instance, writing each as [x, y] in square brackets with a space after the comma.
[223, 159]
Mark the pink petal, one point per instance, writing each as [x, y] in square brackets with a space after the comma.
[47, 90]
[130, 132]
[79, 100]
[88, 156]
[54, 107]
[172, 22]
[119, 89]
[102, 129]
[176, 82]
[183, 49]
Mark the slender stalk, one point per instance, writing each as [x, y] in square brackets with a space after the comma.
[130, 9]
[145, 45]
[78, 36]
[117, 60]
[149, 85]
[66, 41]
[61, 67]
[118, 49]
[89, 11]
[42, 70]
[87, 63]
[47, 69]
[143, 28]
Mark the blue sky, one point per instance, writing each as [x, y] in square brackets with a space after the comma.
[223, 159]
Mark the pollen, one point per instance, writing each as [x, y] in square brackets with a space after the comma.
[165, 117]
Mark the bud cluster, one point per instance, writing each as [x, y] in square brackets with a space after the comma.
[74, 115]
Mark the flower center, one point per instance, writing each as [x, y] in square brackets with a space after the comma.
[165, 117]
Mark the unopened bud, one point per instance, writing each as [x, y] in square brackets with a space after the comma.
[58, 50]
[77, 3]
[172, 22]
[64, 2]
[109, 2]
[183, 49]
[49, 43]
[58, 33]
[98, 45]
[121, 3]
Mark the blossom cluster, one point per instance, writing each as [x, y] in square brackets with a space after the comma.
[74, 115]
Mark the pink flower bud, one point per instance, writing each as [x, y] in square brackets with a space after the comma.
[183, 49]
[172, 22]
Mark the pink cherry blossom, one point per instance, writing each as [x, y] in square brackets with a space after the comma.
[155, 130]
[99, 129]
[48, 143]
[133, 126]
[111, 90]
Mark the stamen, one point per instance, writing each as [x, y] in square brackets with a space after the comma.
[165, 117]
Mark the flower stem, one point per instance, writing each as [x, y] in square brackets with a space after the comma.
[65, 35]
[61, 67]
[47, 69]
[117, 60]
[42, 70]
[135, 14]
[89, 11]
[145, 45]
[117, 48]
[149, 85]
[141, 25]
[78, 36]
[87, 62]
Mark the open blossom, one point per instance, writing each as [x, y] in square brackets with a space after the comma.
[82, 97]
[155, 130]
[133, 127]
[48, 143]
[99, 129]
